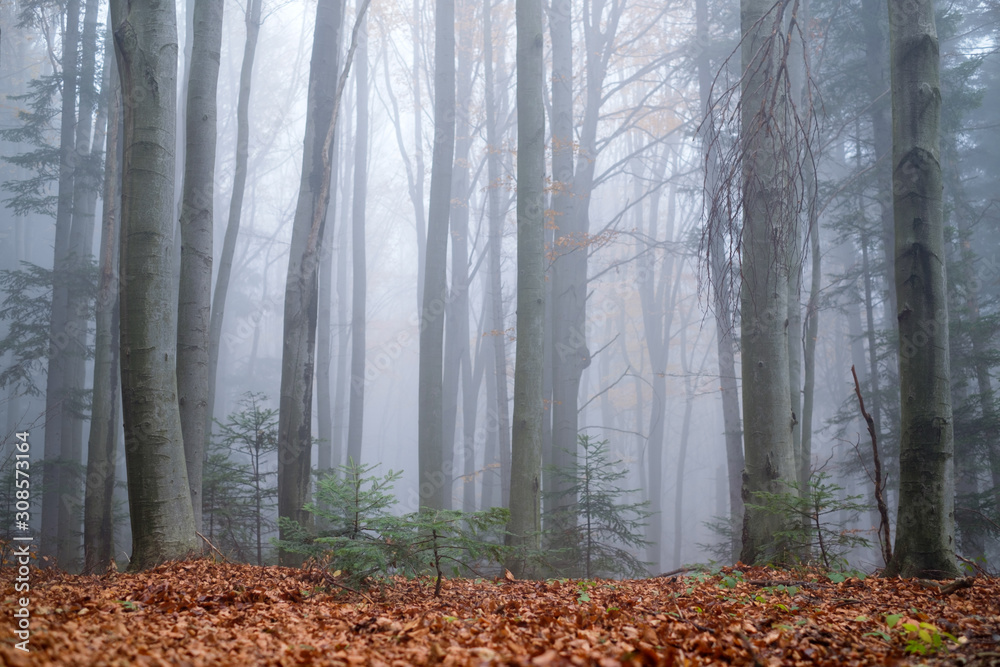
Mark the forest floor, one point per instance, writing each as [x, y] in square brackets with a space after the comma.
[202, 613]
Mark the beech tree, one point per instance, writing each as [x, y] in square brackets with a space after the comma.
[430, 427]
[301, 286]
[925, 524]
[298, 357]
[159, 497]
[196, 223]
[495, 492]
[98, 526]
[526, 439]
[767, 223]
[56, 382]
[218, 309]
[355, 420]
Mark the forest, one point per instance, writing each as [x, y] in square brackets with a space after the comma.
[631, 309]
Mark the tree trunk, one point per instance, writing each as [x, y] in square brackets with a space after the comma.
[689, 392]
[343, 380]
[98, 525]
[324, 345]
[496, 482]
[457, 367]
[56, 393]
[656, 295]
[525, 484]
[433, 476]
[360, 282]
[569, 264]
[811, 335]
[218, 309]
[767, 225]
[722, 290]
[417, 187]
[197, 213]
[301, 286]
[159, 498]
[879, 112]
[925, 524]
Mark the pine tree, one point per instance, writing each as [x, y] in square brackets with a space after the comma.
[598, 531]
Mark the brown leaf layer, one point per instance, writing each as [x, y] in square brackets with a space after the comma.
[201, 613]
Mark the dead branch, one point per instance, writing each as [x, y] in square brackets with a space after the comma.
[883, 526]
[673, 573]
[213, 547]
[947, 589]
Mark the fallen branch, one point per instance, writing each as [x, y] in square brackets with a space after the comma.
[673, 573]
[947, 589]
[213, 547]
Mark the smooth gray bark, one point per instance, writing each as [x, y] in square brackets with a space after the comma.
[197, 222]
[359, 290]
[301, 285]
[98, 527]
[159, 497]
[925, 524]
[458, 359]
[359, 282]
[767, 224]
[568, 266]
[324, 347]
[526, 445]
[497, 459]
[433, 477]
[343, 387]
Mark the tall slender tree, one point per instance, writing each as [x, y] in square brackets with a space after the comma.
[98, 527]
[196, 222]
[495, 492]
[329, 439]
[359, 292]
[252, 22]
[458, 359]
[433, 476]
[526, 445]
[56, 392]
[159, 497]
[767, 211]
[301, 286]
